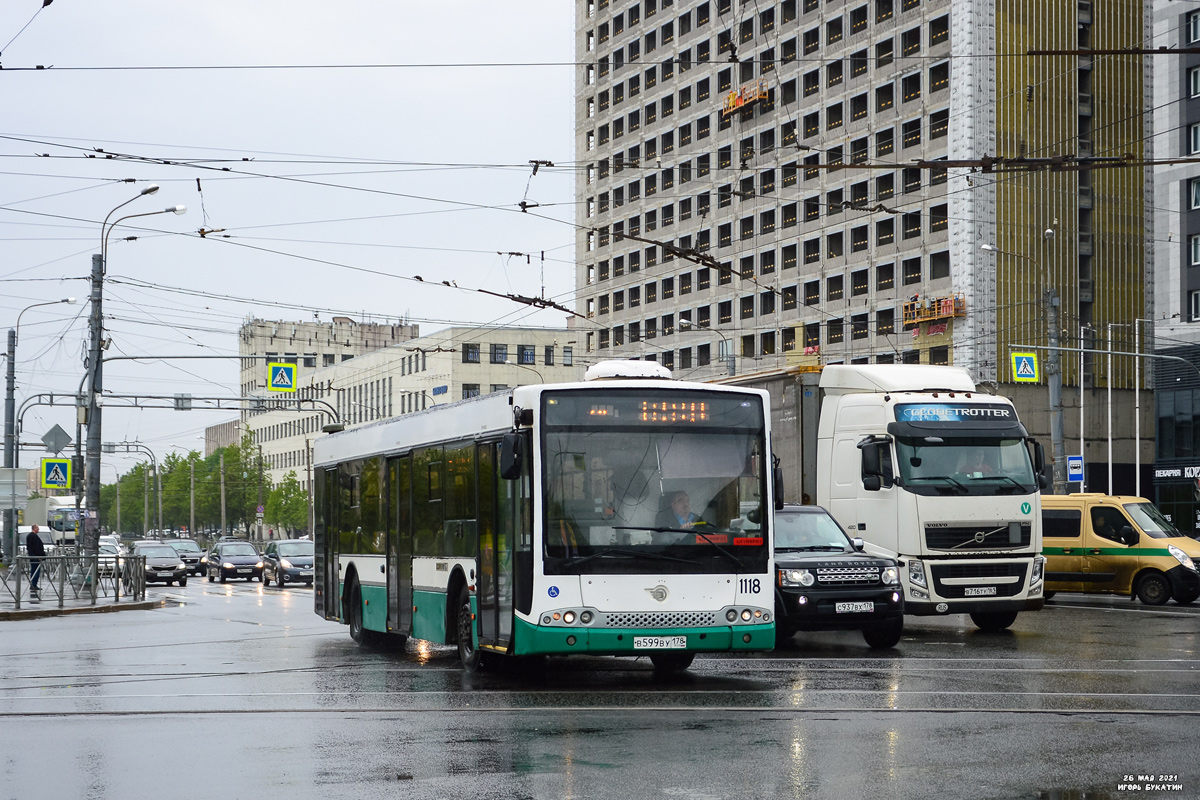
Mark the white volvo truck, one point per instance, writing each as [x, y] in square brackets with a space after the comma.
[925, 469]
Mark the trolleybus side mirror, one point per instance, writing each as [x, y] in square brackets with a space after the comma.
[777, 477]
[511, 456]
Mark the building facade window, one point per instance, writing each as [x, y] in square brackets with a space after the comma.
[499, 352]
[470, 353]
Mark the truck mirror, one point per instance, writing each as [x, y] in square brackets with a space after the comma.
[777, 477]
[872, 483]
[1040, 467]
[872, 466]
[512, 452]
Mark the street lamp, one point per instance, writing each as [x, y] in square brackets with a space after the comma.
[95, 360]
[523, 366]
[1053, 370]
[730, 359]
[10, 410]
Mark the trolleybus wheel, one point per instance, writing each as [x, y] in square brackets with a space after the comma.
[883, 635]
[354, 614]
[1153, 589]
[464, 627]
[993, 620]
[671, 662]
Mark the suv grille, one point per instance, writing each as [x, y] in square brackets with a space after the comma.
[848, 576]
[985, 536]
[676, 619]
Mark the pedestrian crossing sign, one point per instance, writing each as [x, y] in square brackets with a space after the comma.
[56, 473]
[1025, 367]
[283, 377]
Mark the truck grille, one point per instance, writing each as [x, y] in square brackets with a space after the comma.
[677, 619]
[940, 572]
[985, 536]
[848, 576]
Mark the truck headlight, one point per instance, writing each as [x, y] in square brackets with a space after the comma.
[1039, 566]
[916, 574]
[890, 575]
[796, 577]
[1181, 557]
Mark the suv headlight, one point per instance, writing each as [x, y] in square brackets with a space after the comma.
[1181, 557]
[890, 575]
[796, 577]
[916, 574]
[1039, 566]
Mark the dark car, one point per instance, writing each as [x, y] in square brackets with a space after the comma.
[162, 563]
[190, 553]
[825, 582]
[288, 561]
[234, 560]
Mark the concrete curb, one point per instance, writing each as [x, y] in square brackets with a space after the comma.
[55, 611]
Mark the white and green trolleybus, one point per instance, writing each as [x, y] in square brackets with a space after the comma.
[544, 520]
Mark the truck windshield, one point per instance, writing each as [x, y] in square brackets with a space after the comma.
[933, 465]
[1151, 520]
[650, 483]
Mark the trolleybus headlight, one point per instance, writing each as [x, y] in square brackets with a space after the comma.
[890, 575]
[1181, 557]
[746, 615]
[546, 620]
[556, 616]
[916, 573]
[731, 615]
[585, 617]
[569, 617]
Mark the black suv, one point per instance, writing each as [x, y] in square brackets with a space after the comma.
[825, 582]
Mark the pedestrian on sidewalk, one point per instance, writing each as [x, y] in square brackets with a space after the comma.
[36, 552]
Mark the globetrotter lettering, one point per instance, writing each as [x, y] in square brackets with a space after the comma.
[945, 413]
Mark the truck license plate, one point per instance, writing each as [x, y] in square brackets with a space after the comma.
[853, 608]
[979, 591]
[659, 642]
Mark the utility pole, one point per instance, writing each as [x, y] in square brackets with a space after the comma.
[146, 501]
[223, 529]
[118, 530]
[1054, 377]
[260, 502]
[158, 482]
[10, 439]
[95, 387]
[192, 496]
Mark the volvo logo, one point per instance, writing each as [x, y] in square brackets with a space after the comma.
[980, 536]
[659, 593]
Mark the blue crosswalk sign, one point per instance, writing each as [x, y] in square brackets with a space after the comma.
[56, 473]
[282, 377]
[1025, 367]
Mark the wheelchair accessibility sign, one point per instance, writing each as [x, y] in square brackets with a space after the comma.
[283, 378]
[56, 473]
[1025, 367]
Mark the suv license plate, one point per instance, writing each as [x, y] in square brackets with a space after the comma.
[853, 608]
[659, 642]
[979, 591]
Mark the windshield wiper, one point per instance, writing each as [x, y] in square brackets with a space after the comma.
[696, 531]
[618, 553]
[1008, 478]
[961, 487]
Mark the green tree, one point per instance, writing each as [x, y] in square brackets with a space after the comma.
[287, 507]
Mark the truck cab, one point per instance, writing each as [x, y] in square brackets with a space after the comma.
[927, 470]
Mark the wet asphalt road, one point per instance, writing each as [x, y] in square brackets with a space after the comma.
[241, 691]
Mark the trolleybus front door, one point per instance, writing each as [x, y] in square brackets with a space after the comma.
[399, 552]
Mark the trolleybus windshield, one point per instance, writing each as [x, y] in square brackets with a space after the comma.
[653, 481]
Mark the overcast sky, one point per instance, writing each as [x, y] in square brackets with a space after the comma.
[338, 179]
